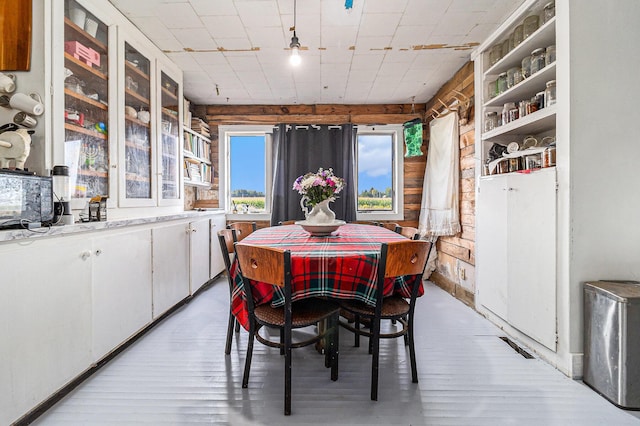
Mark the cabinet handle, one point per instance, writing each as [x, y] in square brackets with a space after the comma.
[511, 189]
[85, 255]
[194, 230]
[113, 166]
[98, 252]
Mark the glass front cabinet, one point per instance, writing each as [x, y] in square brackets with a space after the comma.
[118, 130]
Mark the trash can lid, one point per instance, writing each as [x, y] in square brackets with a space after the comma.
[619, 290]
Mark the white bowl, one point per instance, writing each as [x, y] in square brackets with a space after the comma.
[320, 230]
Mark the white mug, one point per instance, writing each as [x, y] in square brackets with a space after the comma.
[31, 103]
[24, 119]
[7, 83]
[77, 15]
[144, 116]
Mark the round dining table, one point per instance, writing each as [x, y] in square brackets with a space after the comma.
[342, 265]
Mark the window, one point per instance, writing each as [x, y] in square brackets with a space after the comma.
[379, 172]
[246, 180]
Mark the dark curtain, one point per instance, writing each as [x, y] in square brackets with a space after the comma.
[302, 149]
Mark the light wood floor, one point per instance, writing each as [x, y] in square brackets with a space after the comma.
[178, 374]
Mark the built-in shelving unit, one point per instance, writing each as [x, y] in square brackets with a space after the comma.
[197, 158]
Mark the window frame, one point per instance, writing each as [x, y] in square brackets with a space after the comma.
[224, 166]
[397, 133]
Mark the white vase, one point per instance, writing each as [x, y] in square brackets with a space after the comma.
[320, 214]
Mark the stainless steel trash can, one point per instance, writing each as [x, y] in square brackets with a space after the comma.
[612, 340]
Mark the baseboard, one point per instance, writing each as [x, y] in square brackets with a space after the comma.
[453, 288]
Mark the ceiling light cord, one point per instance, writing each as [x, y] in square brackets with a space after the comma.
[295, 59]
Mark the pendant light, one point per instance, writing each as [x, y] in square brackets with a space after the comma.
[294, 59]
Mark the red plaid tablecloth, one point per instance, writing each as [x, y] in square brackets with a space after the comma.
[342, 265]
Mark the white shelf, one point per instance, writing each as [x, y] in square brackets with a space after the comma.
[197, 183]
[193, 132]
[188, 154]
[543, 37]
[526, 88]
[536, 122]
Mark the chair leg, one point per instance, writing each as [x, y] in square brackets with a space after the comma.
[412, 351]
[356, 337]
[375, 340]
[230, 325]
[247, 362]
[237, 326]
[281, 342]
[287, 372]
[334, 348]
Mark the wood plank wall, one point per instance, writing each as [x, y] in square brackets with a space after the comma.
[453, 252]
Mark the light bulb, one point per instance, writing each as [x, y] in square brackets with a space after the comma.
[295, 58]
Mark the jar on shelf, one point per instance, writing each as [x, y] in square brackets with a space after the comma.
[490, 121]
[526, 67]
[495, 54]
[532, 105]
[530, 25]
[537, 60]
[492, 89]
[539, 100]
[505, 47]
[550, 93]
[523, 108]
[549, 11]
[518, 35]
[509, 113]
[502, 82]
[550, 55]
[511, 76]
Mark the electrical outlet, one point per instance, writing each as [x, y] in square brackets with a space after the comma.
[461, 273]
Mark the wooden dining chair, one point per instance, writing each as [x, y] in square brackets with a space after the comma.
[392, 226]
[273, 266]
[243, 229]
[399, 258]
[226, 238]
[409, 232]
[287, 222]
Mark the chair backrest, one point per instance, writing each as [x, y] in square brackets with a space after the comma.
[287, 222]
[243, 229]
[226, 238]
[389, 225]
[399, 258]
[267, 265]
[409, 232]
[264, 264]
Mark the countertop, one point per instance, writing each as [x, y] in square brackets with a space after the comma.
[22, 234]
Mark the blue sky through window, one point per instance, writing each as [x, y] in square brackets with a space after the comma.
[247, 163]
[375, 160]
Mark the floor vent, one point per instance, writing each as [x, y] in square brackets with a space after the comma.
[516, 348]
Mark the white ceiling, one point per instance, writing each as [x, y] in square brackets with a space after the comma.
[380, 51]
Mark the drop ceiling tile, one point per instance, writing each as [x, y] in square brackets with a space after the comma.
[424, 12]
[209, 58]
[209, 7]
[243, 63]
[263, 13]
[386, 6]
[378, 24]
[335, 13]
[178, 15]
[267, 37]
[237, 44]
[367, 62]
[169, 44]
[226, 26]
[152, 27]
[410, 35]
[186, 61]
[338, 36]
[140, 8]
[367, 45]
[456, 23]
[194, 38]
[336, 56]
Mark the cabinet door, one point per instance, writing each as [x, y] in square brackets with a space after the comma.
[199, 254]
[138, 150]
[45, 320]
[121, 282]
[217, 263]
[532, 255]
[492, 244]
[86, 100]
[170, 122]
[170, 266]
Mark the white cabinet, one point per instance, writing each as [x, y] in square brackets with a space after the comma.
[218, 223]
[199, 249]
[45, 320]
[170, 245]
[117, 103]
[516, 244]
[121, 282]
